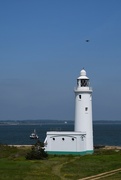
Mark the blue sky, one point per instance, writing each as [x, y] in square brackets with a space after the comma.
[43, 49]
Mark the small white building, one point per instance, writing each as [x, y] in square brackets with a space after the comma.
[65, 142]
[79, 141]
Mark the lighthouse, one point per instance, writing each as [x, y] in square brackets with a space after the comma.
[83, 109]
[79, 141]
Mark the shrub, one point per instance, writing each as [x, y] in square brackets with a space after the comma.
[37, 152]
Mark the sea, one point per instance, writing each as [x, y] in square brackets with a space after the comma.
[18, 132]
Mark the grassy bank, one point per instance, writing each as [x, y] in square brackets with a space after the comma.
[14, 166]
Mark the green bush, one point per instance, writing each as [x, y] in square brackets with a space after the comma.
[37, 152]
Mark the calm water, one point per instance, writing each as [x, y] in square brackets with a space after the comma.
[104, 134]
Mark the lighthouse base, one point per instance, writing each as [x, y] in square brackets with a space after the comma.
[69, 152]
[66, 143]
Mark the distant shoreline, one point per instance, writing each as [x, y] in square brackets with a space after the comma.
[95, 147]
[47, 122]
[107, 147]
[21, 146]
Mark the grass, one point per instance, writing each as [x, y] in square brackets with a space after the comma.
[14, 166]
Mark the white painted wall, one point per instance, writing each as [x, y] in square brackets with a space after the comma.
[72, 142]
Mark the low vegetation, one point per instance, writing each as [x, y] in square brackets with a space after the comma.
[15, 165]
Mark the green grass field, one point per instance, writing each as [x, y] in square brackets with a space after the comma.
[14, 166]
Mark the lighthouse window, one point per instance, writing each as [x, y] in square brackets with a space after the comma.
[79, 96]
[86, 108]
[53, 139]
[72, 139]
[77, 82]
[63, 139]
[84, 82]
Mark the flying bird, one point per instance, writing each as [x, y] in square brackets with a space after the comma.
[87, 40]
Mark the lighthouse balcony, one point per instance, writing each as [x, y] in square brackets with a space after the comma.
[85, 89]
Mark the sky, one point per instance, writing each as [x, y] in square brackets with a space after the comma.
[43, 49]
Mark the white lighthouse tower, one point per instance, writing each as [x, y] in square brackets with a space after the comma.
[79, 141]
[83, 109]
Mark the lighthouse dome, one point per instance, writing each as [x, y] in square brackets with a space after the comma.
[83, 75]
[82, 72]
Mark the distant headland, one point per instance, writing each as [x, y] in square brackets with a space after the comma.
[50, 121]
